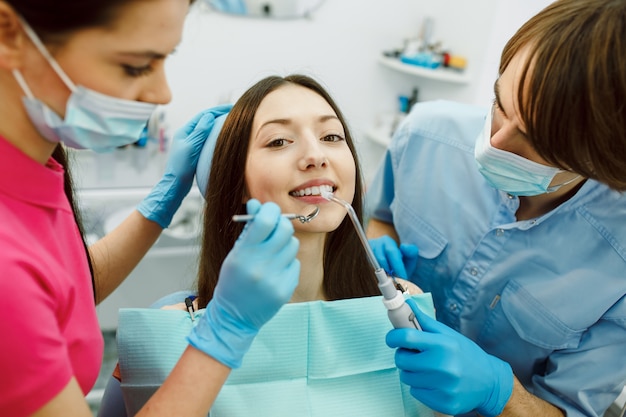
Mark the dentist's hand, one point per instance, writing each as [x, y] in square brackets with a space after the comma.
[257, 277]
[397, 261]
[447, 371]
[166, 197]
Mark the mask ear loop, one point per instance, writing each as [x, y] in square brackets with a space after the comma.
[22, 83]
[557, 186]
[44, 51]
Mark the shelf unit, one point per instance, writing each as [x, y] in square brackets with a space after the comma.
[378, 135]
[437, 74]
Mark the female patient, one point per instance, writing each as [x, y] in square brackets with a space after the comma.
[284, 141]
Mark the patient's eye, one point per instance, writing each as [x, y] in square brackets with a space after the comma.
[277, 143]
[332, 138]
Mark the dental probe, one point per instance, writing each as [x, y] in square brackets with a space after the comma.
[399, 312]
[303, 218]
[240, 218]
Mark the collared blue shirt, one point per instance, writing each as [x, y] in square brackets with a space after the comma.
[546, 295]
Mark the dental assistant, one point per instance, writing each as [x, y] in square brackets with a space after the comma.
[519, 215]
[88, 75]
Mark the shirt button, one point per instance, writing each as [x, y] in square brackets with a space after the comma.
[453, 307]
[474, 271]
[499, 232]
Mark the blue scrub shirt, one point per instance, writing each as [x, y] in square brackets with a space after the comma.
[546, 295]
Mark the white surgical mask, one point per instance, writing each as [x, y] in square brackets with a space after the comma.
[92, 120]
[510, 172]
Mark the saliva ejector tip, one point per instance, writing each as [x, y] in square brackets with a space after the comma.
[328, 195]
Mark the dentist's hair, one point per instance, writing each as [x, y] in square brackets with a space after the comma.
[347, 273]
[572, 93]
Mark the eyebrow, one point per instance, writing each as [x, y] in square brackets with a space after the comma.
[145, 54]
[323, 118]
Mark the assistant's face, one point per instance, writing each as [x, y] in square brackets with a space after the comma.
[298, 147]
[124, 60]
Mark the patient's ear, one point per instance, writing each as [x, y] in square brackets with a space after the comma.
[11, 37]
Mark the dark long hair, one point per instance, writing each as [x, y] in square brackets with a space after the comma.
[572, 93]
[54, 20]
[60, 155]
[347, 273]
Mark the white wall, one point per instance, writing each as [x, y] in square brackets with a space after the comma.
[509, 16]
[220, 56]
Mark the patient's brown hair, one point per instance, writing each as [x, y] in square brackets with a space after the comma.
[347, 273]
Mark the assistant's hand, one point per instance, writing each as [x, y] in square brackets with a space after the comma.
[257, 277]
[397, 261]
[447, 371]
[167, 195]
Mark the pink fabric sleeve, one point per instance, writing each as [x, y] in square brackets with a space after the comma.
[33, 353]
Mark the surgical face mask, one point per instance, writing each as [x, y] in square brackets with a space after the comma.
[510, 172]
[92, 120]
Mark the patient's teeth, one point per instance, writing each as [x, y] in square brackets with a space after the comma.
[314, 190]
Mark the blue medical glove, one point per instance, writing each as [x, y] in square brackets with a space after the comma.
[397, 261]
[257, 277]
[203, 169]
[447, 371]
[168, 194]
[409, 258]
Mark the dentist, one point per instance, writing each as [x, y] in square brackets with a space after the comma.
[88, 75]
[519, 214]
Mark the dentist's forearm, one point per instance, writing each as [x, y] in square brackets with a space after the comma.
[523, 404]
[377, 228]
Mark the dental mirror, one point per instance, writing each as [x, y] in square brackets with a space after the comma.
[309, 217]
[303, 218]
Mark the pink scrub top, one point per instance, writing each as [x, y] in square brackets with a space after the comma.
[48, 324]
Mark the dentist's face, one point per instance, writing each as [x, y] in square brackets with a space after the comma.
[508, 131]
[298, 146]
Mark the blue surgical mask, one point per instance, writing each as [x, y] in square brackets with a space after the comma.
[92, 120]
[510, 172]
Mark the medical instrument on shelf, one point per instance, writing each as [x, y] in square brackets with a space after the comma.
[303, 218]
[400, 313]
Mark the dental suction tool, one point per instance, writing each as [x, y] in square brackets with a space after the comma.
[399, 312]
